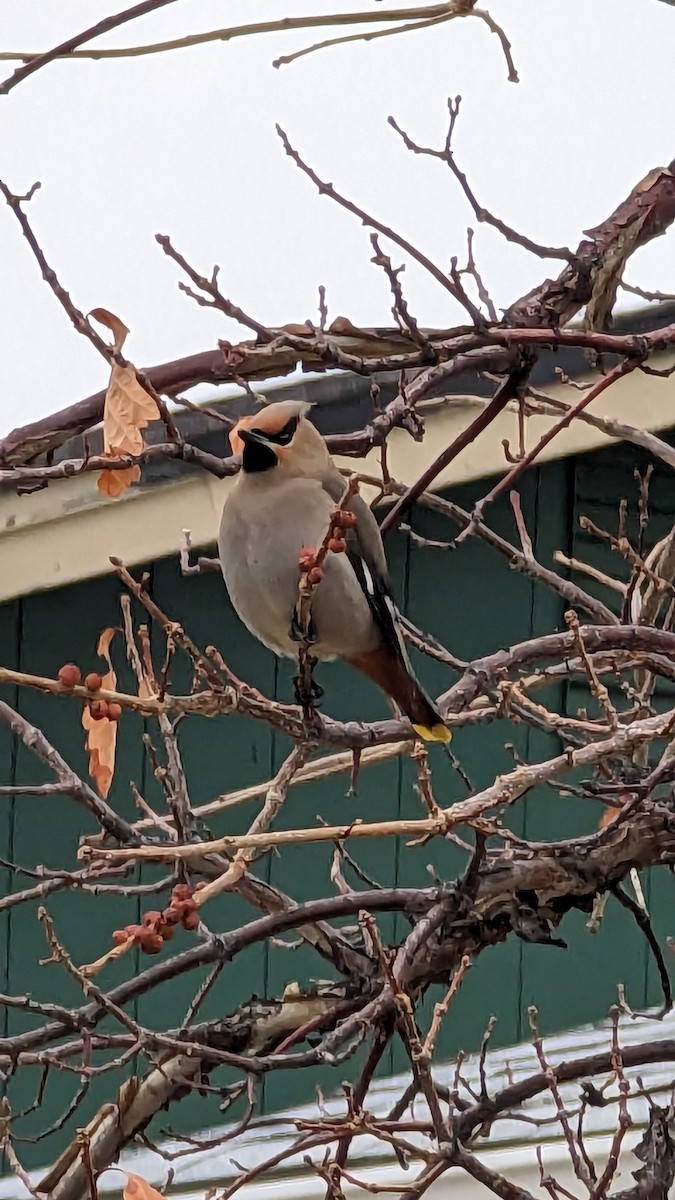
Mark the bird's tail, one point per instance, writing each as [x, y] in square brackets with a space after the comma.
[394, 677]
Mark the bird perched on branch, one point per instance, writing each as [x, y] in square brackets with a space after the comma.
[279, 521]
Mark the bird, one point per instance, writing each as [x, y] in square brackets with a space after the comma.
[280, 506]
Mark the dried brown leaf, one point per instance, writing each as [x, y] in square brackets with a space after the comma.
[114, 324]
[610, 814]
[113, 483]
[101, 739]
[139, 1189]
[127, 410]
[103, 644]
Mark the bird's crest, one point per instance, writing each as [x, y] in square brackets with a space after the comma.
[270, 421]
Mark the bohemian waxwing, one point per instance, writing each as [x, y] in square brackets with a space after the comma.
[282, 502]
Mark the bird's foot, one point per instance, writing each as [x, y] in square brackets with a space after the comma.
[307, 692]
[298, 634]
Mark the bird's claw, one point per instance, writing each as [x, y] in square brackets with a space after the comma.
[307, 696]
[298, 634]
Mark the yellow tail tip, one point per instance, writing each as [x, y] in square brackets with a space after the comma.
[433, 733]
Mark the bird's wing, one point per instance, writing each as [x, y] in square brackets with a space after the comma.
[365, 536]
[368, 561]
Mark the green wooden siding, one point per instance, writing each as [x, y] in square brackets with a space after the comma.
[475, 603]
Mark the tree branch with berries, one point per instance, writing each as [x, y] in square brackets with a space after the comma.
[616, 752]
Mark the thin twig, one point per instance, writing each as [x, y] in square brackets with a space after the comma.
[68, 48]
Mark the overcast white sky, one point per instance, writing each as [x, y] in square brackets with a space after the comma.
[184, 144]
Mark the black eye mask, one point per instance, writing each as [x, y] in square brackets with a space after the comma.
[258, 455]
[284, 436]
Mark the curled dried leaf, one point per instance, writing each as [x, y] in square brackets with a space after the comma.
[114, 324]
[103, 644]
[101, 739]
[609, 815]
[128, 409]
[139, 1189]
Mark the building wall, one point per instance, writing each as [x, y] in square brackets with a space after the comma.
[474, 603]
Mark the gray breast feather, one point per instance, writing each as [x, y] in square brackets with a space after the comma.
[261, 536]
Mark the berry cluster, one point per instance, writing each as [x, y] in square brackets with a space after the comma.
[306, 561]
[70, 676]
[341, 520]
[158, 927]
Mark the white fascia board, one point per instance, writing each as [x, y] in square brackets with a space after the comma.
[68, 531]
[511, 1147]
[518, 1164]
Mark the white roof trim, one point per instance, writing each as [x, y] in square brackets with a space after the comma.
[510, 1147]
[68, 531]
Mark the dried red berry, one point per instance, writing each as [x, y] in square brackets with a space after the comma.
[93, 681]
[342, 518]
[166, 931]
[314, 576]
[171, 915]
[152, 917]
[120, 936]
[337, 545]
[98, 709]
[306, 557]
[200, 886]
[69, 675]
[150, 942]
[191, 920]
[182, 891]
[114, 711]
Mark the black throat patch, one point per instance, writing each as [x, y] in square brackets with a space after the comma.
[257, 456]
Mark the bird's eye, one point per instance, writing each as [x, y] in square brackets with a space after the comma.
[285, 435]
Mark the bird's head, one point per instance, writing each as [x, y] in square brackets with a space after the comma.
[279, 436]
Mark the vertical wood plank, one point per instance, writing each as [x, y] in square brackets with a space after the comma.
[10, 619]
[474, 603]
[305, 874]
[219, 754]
[616, 953]
[58, 627]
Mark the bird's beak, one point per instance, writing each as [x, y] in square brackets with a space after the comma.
[251, 437]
